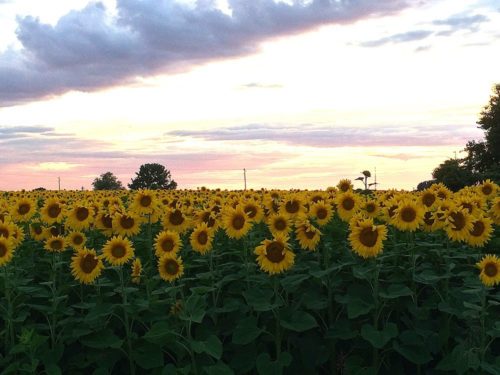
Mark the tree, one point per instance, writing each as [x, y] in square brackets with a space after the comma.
[425, 184]
[107, 181]
[483, 157]
[153, 176]
[453, 174]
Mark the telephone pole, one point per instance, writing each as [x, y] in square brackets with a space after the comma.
[59, 182]
[245, 177]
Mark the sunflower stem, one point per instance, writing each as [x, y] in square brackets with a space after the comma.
[375, 287]
[53, 334]
[483, 324]
[126, 322]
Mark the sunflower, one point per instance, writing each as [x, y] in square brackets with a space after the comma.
[344, 185]
[7, 230]
[118, 250]
[144, 202]
[79, 217]
[37, 231]
[170, 267]
[495, 210]
[104, 222]
[458, 224]
[293, 207]
[274, 256]
[126, 224]
[279, 224]
[17, 235]
[86, 266]
[76, 240]
[347, 205]
[253, 210]
[136, 271]
[430, 223]
[167, 242]
[209, 217]
[442, 192]
[23, 209]
[6, 251]
[52, 211]
[371, 208]
[201, 239]
[488, 189]
[55, 244]
[480, 232]
[236, 222]
[428, 198]
[408, 216]
[176, 219]
[366, 239]
[322, 212]
[307, 235]
[490, 270]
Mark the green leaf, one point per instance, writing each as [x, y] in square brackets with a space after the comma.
[260, 299]
[52, 369]
[412, 347]
[194, 308]
[246, 331]
[102, 339]
[298, 321]
[379, 338]
[341, 329]
[148, 356]
[292, 282]
[158, 332]
[396, 291]
[212, 346]
[265, 366]
[220, 368]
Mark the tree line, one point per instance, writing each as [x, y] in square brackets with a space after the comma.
[150, 176]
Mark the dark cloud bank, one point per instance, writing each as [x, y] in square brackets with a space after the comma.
[88, 49]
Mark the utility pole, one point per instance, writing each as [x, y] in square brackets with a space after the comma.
[375, 178]
[59, 182]
[245, 177]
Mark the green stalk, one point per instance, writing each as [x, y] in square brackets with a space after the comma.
[483, 324]
[126, 323]
[375, 287]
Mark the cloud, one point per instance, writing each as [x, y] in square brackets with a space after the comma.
[93, 48]
[314, 136]
[409, 36]
[259, 85]
[459, 22]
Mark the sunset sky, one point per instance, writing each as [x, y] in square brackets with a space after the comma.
[300, 93]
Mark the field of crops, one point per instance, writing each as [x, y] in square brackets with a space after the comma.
[250, 282]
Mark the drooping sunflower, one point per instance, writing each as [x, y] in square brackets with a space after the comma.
[279, 224]
[490, 270]
[366, 239]
[136, 271]
[201, 239]
[23, 209]
[86, 266]
[52, 211]
[347, 205]
[118, 250]
[176, 219]
[126, 224]
[480, 234]
[408, 216]
[344, 185]
[236, 222]
[76, 240]
[307, 235]
[55, 244]
[274, 256]
[458, 224]
[167, 242]
[79, 217]
[322, 212]
[170, 267]
[6, 251]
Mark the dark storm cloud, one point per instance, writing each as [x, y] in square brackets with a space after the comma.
[307, 135]
[89, 49]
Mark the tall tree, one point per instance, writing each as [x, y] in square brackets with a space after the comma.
[153, 176]
[107, 181]
[453, 174]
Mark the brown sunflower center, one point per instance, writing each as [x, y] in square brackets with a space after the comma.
[23, 208]
[176, 217]
[458, 220]
[391, 211]
[442, 195]
[428, 199]
[370, 207]
[56, 245]
[167, 245]
[487, 189]
[478, 229]
[408, 214]
[107, 221]
[54, 210]
[280, 224]
[275, 252]
[469, 207]
[238, 222]
[251, 211]
[77, 239]
[202, 238]
[88, 263]
[490, 269]
[4, 232]
[82, 213]
[118, 251]
[37, 229]
[127, 222]
[428, 219]
[3, 250]
[322, 213]
[309, 234]
[171, 267]
[292, 207]
[348, 204]
[368, 237]
[344, 187]
[145, 201]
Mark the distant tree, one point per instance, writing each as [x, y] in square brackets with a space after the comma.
[40, 189]
[425, 184]
[107, 181]
[153, 176]
[453, 174]
[483, 157]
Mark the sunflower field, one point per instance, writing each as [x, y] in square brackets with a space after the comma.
[250, 282]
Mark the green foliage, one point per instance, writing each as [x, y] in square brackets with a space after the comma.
[107, 181]
[153, 176]
[453, 174]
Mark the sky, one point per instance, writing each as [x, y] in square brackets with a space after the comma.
[300, 93]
